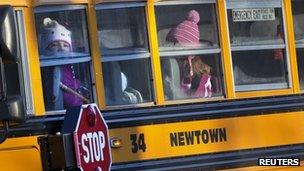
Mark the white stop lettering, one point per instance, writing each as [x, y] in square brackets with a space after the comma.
[93, 144]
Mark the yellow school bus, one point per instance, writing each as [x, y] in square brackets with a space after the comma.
[182, 84]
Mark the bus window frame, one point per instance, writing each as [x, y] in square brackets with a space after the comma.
[298, 45]
[123, 57]
[23, 65]
[85, 59]
[215, 50]
[244, 92]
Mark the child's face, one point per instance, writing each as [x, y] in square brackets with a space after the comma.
[59, 46]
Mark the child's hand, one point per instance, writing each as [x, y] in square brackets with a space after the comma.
[84, 91]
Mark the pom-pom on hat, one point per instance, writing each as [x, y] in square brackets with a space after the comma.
[53, 31]
[186, 33]
[193, 16]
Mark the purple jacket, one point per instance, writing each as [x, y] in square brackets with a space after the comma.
[68, 79]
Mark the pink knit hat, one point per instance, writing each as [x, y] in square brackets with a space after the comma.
[186, 33]
[53, 31]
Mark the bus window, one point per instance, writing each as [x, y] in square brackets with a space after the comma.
[17, 73]
[257, 43]
[64, 56]
[189, 50]
[124, 53]
[298, 21]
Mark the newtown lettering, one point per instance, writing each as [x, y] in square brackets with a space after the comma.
[204, 136]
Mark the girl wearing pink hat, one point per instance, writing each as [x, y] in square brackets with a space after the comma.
[195, 81]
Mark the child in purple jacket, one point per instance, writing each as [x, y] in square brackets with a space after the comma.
[56, 39]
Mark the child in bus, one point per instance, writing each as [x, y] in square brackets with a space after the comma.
[195, 80]
[130, 95]
[200, 82]
[65, 91]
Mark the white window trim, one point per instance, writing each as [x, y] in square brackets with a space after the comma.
[269, 86]
[56, 62]
[105, 58]
[190, 52]
[257, 47]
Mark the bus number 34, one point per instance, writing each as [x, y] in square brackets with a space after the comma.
[138, 142]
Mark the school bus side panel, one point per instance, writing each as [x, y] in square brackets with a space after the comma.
[20, 154]
[194, 137]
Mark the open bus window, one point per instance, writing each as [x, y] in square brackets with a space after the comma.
[257, 42]
[298, 21]
[124, 53]
[64, 56]
[189, 50]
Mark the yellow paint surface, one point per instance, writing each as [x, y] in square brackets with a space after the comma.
[34, 64]
[291, 46]
[241, 133]
[92, 26]
[14, 2]
[103, 1]
[155, 58]
[55, 2]
[225, 48]
[20, 154]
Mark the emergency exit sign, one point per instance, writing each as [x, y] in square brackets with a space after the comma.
[253, 14]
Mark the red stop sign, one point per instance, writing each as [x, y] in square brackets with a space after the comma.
[91, 140]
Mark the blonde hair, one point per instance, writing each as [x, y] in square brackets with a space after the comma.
[199, 67]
